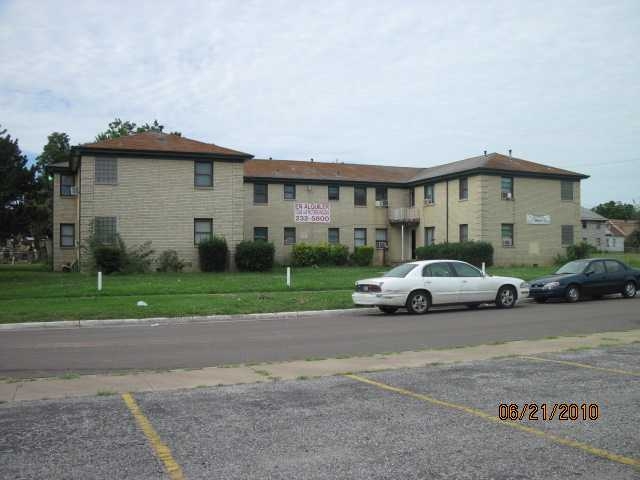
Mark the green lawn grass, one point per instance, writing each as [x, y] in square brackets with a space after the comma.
[30, 293]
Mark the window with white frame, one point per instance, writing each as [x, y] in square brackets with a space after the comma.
[464, 232]
[506, 231]
[67, 185]
[333, 236]
[359, 237]
[429, 194]
[429, 235]
[289, 191]
[203, 173]
[67, 235]
[381, 238]
[202, 230]
[506, 188]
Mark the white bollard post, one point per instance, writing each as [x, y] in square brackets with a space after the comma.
[289, 277]
[483, 272]
[99, 281]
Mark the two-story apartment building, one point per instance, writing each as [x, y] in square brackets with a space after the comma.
[175, 191]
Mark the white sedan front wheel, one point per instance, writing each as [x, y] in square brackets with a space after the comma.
[506, 297]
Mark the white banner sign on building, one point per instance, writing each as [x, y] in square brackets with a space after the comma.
[538, 219]
[312, 212]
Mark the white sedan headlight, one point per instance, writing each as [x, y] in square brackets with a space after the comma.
[550, 285]
[524, 286]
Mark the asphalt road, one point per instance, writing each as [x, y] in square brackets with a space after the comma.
[47, 352]
[342, 427]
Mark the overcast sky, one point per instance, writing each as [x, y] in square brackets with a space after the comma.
[397, 83]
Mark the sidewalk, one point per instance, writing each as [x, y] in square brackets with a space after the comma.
[90, 385]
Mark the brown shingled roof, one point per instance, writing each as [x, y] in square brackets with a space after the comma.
[162, 142]
[493, 161]
[307, 170]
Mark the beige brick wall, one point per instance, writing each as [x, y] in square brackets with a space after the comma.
[279, 213]
[65, 210]
[155, 199]
[532, 243]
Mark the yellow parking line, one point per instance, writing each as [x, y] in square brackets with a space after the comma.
[159, 448]
[634, 462]
[581, 365]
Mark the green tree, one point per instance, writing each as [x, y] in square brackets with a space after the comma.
[618, 210]
[16, 181]
[57, 149]
[118, 128]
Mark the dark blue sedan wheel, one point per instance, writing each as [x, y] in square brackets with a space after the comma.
[629, 290]
[572, 294]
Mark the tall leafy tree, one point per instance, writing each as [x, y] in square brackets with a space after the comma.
[119, 128]
[57, 149]
[618, 210]
[16, 181]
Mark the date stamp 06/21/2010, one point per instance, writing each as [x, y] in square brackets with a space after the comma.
[549, 412]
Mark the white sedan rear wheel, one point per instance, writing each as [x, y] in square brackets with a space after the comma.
[418, 302]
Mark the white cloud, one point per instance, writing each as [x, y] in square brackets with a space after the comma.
[405, 83]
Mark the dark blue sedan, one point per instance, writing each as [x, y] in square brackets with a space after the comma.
[592, 277]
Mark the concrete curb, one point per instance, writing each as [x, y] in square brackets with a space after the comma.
[154, 321]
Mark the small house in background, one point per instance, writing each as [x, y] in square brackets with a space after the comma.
[600, 232]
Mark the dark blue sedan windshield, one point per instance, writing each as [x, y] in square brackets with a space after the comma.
[577, 266]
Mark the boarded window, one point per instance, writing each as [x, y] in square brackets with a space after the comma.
[463, 185]
[289, 191]
[566, 190]
[67, 235]
[429, 193]
[289, 235]
[334, 192]
[203, 174]
[261, 233]
[464, 232]
[105, 229]
[567, 234]
[359, 237]
[107, 171]
[260, 193]
[202, 230]
[429, 235]
[333, 236]
[360, 196]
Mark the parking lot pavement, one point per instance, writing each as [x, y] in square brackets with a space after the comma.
[429, 422]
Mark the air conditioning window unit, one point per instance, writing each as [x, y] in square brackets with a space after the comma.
[507, 242]
[507, 196]
[73, 190]
[382, 203]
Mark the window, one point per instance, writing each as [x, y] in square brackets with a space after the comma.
[584, 224]
[289, 235]
[67, 185]
[105, 229]
[598, 242]
[507, 234]
[463, 188]
[506, 188]
[598, 226]
[202, 230]
[464, 270]
[567, 234]
[360, 196]
[464, 232]
[613, 266]
[107, 171]
[260, 193]
[333, 236]
[289, 191]
[597, 267]
[412, 197]
[429, 235]
[334, 192]
[359, 237]
[203, 174]
[260, 233]
[440, 269]
[429, 194]
[381, 197]
[381, 238]
[566, 190]
[67, 235]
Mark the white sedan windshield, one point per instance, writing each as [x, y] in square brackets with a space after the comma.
[401, 271]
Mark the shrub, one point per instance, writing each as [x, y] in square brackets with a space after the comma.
[303, 255]
[111, 258]
[362, 256]
[254, 256]
[213, 254]
[580, 250]
[138, 259]
[471, 252]
[168, 261]
[338, 254]
[108, 258]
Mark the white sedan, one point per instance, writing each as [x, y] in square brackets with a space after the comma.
[417, 286]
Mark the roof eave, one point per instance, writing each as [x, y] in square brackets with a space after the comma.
[122, 152]
[491, 171]
[323, 181]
